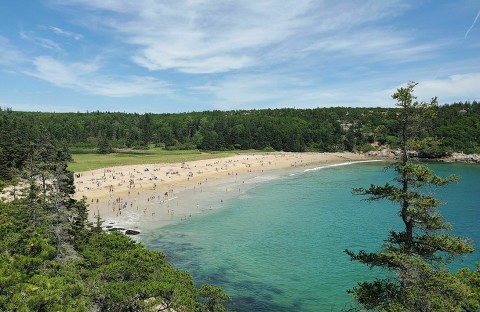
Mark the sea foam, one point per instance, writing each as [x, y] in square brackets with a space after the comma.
[341, 164]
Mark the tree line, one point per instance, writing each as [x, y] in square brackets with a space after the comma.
[320, 129]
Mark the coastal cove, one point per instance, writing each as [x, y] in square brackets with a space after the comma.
[279, 246]
[243, 156]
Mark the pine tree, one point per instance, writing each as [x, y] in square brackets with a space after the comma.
[104, 146]
[417, 254]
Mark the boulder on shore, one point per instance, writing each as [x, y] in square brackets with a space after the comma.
[115, 229]
[132, 232]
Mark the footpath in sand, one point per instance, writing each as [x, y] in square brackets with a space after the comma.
[145, 197]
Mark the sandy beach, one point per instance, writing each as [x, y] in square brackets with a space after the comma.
[145, 197]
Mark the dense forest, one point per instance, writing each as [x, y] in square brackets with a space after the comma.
[322, 129]
[53, 259]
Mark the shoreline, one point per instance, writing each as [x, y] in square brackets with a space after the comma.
[147, 197]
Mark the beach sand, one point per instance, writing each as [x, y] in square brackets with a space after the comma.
[145, 197]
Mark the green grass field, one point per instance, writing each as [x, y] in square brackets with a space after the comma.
[90, 161]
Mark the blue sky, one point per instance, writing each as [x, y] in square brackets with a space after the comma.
[181, 56]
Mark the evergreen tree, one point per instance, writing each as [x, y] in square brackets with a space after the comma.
[214, 298]
[104, 146]
[417, 254]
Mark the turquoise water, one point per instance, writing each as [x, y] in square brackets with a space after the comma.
[279, 246]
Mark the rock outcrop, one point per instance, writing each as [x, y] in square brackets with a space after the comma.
[461, 157]
[132, 232]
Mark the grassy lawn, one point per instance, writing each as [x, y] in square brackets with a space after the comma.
[90, 161]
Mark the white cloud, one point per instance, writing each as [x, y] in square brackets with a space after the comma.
[37, 107]
[153, 60]
[263, 91]
[459, 87]
[208, 36]
[453, 88]
[85, 77]
[65, 33]
[10, 55]
[40, 41]
[473, 24]
[384, 45]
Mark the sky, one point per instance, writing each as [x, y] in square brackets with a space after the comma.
[180, 56]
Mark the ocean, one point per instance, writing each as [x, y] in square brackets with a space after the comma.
[279, 246]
